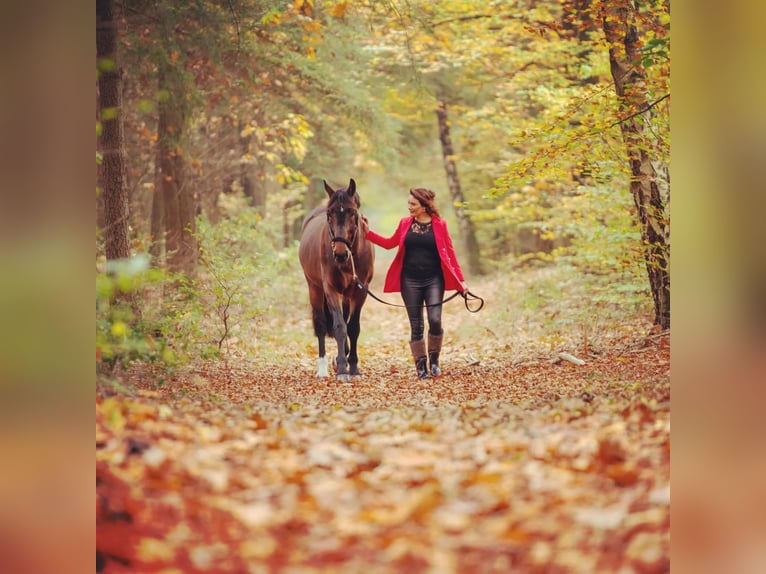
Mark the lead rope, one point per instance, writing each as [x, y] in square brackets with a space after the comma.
[466, 294]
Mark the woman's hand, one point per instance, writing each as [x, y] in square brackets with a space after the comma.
[365, 225]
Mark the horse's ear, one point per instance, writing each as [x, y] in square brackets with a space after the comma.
[351, 186]
[328, 189]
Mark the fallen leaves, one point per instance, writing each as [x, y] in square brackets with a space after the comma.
[508, 462]
[486, 469]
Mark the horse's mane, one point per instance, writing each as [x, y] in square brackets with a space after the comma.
[316, 211]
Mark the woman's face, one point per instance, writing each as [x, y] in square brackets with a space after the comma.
[416, 210]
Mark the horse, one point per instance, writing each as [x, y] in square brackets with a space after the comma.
[337, 262]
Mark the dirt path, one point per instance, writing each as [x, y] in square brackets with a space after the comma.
[509, 464]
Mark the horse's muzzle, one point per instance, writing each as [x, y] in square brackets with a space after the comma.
[341, 257]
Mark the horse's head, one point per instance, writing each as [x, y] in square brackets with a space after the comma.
[343, 219]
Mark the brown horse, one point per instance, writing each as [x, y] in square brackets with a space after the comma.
[338, 264]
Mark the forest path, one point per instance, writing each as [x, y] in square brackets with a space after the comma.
[499, 465]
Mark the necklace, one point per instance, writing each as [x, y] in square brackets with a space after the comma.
[420, 228]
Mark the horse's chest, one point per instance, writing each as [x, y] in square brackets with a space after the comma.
[342, 281]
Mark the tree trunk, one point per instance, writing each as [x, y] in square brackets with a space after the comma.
[117, 243]
[178, 202]
[624, 56]
[246, 165]
[465, 224]
[157, 224]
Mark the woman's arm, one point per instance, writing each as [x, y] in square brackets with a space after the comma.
[384, 242]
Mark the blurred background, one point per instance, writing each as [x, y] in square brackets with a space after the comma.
[542, 126]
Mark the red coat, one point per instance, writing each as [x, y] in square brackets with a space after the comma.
[453, 275]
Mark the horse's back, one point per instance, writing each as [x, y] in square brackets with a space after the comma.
[310, 246]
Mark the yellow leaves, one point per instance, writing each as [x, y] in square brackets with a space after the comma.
[301, 5]
[120, 329]
[312, 27]
[247, 131]
[339, 9]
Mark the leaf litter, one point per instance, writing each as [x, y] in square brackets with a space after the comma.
[508, 462]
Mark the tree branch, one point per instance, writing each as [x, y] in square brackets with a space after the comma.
[236, 25]
[548, 25]
[639, 112]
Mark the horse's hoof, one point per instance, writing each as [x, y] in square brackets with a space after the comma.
[346, 378]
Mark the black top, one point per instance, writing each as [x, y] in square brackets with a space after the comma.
[421, 259]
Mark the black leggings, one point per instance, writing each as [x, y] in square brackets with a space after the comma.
[415, 293]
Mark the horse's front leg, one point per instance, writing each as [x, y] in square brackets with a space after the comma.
[319, 320]
[340, 334]
[353, 334]
[322, 364]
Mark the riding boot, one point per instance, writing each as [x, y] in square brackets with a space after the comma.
[418, 349]
[434, 347]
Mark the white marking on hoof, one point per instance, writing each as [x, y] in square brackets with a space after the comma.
[344, 378]
[322, 370]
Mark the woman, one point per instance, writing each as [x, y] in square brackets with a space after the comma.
[424, 267]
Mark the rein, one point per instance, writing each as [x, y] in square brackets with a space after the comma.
[467, 296]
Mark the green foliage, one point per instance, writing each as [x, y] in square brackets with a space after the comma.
[122, 333]
[243, 276]
[235, 261]
[144, 314]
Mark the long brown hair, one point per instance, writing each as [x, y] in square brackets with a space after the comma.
[426, 198]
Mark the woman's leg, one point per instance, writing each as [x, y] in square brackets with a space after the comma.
[413, 295]
[434, 296]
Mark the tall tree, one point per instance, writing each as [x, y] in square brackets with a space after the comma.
[467, 232]
[625, 57]
[115, 193]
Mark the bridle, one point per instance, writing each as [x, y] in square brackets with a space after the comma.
[337, 239]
